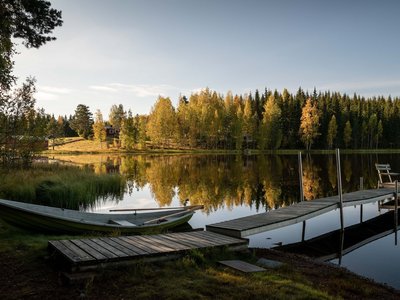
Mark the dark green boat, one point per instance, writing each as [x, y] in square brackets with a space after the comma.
[58, 220]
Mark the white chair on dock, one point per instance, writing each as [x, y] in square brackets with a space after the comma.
[384, 170]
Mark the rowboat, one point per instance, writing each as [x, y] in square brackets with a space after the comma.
[58, 220]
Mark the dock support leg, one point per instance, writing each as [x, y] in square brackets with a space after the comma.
[301, 178]
[341, 247]
[339, 180]
[396, 207]
[361, 206]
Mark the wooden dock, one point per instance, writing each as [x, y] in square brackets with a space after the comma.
[83, 254]
[296, 213]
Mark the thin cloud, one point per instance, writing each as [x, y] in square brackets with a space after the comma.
[50, 93]
[361, 85]
[53, 90]
[46, 96]
[138, 90]
[103, 88]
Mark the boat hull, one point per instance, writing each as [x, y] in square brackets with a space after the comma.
[52, 224]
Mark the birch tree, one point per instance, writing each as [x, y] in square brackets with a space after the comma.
[309, 123]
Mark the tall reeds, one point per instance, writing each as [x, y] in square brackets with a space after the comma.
[60, 186]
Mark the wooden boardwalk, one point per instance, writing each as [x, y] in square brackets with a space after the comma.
[295, 213]
[81, 254]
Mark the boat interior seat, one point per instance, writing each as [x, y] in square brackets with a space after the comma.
[121, 222]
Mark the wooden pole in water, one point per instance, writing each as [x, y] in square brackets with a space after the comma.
[361, 206]
[303, 232]
[396, 206]
[301, 178]
[341, 247]
[339, 180]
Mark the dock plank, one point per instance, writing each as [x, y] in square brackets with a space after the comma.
[170, 243]
[138, 247]
[127, 251]
[196, 240]
[110, 248]
[153, 244]
[93, 252]
[242, 266]
[71, 255]
[99, 248]
[185, 242]
[80, 255]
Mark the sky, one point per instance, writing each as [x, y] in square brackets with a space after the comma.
[130, 52]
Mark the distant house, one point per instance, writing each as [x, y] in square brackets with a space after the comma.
[112, 132]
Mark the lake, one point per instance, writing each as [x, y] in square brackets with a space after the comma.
[233, 186]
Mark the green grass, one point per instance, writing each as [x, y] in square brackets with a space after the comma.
[59, 186]
[196, 275]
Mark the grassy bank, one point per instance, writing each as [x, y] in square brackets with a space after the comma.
[26, 271]
[79, 146]
[60, 186]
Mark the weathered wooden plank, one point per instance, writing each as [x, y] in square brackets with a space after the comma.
[100, 249]
[203, 241]
[186, 242]
[65, 251]
[154, 244]
[132, 245]
[109, 248]
[121, 248]
[145, 246]
[242, 266]
[196, 242]
[224, 238]
[81, 255]
[171, 243]
[93, 252]
[133, 241]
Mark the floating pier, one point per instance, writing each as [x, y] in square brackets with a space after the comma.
[91, 253]
[296, 213]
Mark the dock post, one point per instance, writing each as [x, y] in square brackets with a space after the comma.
[301, 178]
[339, 180]
[361, 206]
[303, 232]
[396, 206]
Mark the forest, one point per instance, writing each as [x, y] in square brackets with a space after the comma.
[209, 120]
[265, 121]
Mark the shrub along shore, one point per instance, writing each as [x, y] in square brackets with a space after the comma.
[59, 185]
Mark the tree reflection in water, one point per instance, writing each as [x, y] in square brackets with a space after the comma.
[264, 182]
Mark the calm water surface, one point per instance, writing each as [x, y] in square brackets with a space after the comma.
[231, 186]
